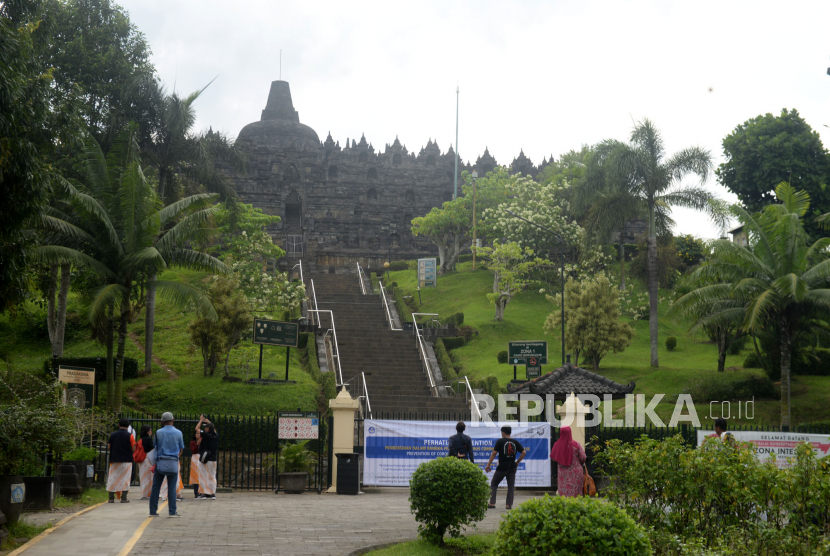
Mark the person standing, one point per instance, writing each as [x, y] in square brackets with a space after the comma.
[169, 447]
[195, 453]
[145, 472]
[570, 458]
[507, 449]
[209, 448]
[121, 446]
[460, 445]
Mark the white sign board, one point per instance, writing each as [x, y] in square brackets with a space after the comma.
[395, 449]
[782, 444]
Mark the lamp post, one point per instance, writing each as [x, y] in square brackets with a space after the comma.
[475, 175]
[561, 269]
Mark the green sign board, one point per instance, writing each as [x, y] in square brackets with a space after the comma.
[276, 333]
[519, 353]
[533, 371]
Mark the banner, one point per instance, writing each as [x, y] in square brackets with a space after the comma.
[395, 449]
[782, 444]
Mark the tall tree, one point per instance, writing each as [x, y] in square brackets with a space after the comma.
[512, 267]
[766, 150]
[781, 280]
[448, 229]
[640, 169]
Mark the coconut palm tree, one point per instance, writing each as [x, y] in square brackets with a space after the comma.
[640, 170]
[780, 280]
[125, 218]
[176, 150]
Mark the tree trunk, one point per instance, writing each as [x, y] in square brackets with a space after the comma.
[786, 359]
[119, 361]
[723, 345]
[442, 257]
[162, 183]
[622, 264]
[456, 249]
[500, 305]
[50, 304]
[653, 294]
[149, 325]
[110, 340]
[60, 325]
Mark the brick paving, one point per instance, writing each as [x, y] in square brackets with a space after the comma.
[248, 523]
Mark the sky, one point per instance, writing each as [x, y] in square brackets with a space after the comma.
[542, 77]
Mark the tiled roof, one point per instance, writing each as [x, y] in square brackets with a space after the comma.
[568, 378]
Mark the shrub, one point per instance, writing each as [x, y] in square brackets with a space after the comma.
[446, 494]
[502, 356]
[690, 250]
[398, 265]
[80, 454]
[668, 264]
[456, 318]
[737, 345]
[752, 361]
[564, 526]
[444, 360]
[454, 342]
[671, 343]
[718, 388]
[50, 366]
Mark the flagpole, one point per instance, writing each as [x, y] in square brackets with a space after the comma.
[455, 193]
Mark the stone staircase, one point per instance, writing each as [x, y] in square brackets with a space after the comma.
[395, 376]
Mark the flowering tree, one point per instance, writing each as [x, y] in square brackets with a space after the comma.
[246, 249]
[512, 267]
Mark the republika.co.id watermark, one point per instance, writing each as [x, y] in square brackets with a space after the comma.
[523, 407]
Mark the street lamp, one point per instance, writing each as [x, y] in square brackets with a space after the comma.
[475, 175]
[562, 271]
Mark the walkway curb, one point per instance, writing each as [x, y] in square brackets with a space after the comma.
[366, 549]
[43, 535]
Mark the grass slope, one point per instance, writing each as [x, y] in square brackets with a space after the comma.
[177, 383]
[693, 359]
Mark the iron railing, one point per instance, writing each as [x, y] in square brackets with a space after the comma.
[386, 307]
[422, 350]
[335, 349]
[249, 450]
[363, 287]
[315, 320]
[357, 388]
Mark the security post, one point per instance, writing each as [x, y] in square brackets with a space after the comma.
[342, 409]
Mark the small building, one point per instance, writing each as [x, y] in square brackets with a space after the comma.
[570, 378]
[739, 236]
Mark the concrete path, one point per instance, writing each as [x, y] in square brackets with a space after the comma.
[249, 524]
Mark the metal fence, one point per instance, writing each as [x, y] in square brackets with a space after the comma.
[249, 450]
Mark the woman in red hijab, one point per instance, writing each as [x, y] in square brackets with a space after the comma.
[570, 457]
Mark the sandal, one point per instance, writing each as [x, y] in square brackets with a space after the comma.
[508, 507]
[491, 506]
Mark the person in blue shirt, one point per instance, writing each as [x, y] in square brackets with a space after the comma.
[460, 445]
[169, 446]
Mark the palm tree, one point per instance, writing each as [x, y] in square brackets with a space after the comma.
[125, 218]
[641, 171]
[175, 149]
[780, 280]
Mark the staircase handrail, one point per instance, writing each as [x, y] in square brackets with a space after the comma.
[360, 276]
[333, 330]
[357, 385]
[472, 396]
[316, 319]
[366, 392]
[386, 306]
[423, 351]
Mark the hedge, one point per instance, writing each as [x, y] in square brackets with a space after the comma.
[50, 366]
[400, 303]
[454, 342]
[311, 364]
[488, 385]
[444, 360]
[455, 318]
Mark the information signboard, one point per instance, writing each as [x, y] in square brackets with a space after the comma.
[427, 273]
[518, 353]
[299, 425]
[276, 333]
[533, 368]
[77, 386]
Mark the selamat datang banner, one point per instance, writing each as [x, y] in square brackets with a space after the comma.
[395, 449]
[782, 444]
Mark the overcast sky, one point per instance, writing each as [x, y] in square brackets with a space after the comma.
[545, 77]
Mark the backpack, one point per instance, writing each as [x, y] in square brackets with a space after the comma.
[139, 455]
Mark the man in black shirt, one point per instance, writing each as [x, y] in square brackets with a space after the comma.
[209, 449]
[507, 449]
[460, 445]
[121, 446]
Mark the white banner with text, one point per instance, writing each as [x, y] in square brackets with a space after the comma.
[395, 449]
[782, 444]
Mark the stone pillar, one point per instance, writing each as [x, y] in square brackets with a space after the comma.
[572, 414]
[343, 408]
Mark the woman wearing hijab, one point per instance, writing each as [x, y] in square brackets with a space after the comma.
[570, 457]
[144, 473]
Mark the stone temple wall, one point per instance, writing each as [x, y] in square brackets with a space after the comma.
[339, 205]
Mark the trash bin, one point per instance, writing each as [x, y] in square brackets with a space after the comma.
[348, 473]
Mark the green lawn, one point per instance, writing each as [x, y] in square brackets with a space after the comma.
[694, 358]
[177, 382]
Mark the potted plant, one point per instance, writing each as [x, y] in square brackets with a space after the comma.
[295, 463]
[83, 460]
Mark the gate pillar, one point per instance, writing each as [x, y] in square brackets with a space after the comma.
[572, 413]
[343, 408]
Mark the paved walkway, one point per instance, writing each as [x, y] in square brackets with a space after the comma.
[249, 524]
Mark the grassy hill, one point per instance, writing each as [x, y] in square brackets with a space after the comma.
[693, 360]
[177, 382]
